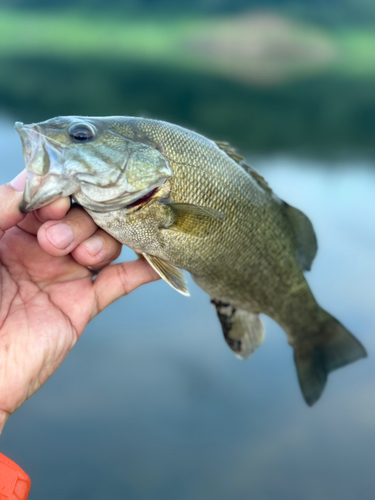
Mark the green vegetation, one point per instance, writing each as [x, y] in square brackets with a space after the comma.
[323, 12]
[266, 83]
[357, 47]
[285, 49]
[315, 116]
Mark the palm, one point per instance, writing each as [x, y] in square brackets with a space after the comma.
[50, 300]
[48, 295]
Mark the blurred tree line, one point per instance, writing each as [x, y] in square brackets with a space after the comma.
[315, 116]
[319, 113]
[330, 12]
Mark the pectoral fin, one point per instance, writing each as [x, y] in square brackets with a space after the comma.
[190, 209]
[171, 274]
[243, 331]
[193, 219]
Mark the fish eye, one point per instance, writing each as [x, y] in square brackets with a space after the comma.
[80, 132]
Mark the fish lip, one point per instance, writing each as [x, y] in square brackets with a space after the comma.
[42, 190]
[24, 207]
[31, 200]
[33, 147]
[26, 199]
[29, 204]
[18, 126]
[25, 138]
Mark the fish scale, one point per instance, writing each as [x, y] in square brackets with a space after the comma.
[186, 202]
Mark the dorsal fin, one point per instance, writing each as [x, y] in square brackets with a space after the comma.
[307, 245]
[260, 180]
[231, 152]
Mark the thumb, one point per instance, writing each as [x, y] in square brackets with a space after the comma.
[120, 279]
[10, 198]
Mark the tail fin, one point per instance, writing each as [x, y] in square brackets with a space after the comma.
[315, 357]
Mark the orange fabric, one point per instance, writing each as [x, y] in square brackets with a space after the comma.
[14, 482]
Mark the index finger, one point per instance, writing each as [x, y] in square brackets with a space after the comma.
[10, 199]
[53, 211]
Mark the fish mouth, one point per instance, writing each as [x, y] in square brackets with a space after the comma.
[39, 191]
[43, 184]
[33, 146]
[34, 196]
[25, 139]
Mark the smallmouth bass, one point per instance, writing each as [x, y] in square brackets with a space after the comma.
[186, 202]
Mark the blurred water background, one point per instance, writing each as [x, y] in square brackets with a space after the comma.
[151, 404]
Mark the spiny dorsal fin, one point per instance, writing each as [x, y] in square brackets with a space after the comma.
[307, 245]
[171, 274]
[260, 180]
[231, 152]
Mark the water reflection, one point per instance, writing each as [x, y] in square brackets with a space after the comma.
[152, 404]
[324, 113]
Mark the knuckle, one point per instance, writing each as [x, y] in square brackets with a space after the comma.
[123, 279]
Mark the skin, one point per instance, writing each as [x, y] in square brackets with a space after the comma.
[47, 292]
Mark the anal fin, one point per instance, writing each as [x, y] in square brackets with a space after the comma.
[243, 331]
[171, 274]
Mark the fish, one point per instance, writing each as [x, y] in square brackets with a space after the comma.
[185, 202]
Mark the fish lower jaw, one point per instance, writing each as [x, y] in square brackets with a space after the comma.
[127, 202]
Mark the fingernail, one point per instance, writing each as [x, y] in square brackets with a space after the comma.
[60, 235]
[19, 182]
[94, 245]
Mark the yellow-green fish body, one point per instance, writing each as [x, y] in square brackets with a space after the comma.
[186, 202]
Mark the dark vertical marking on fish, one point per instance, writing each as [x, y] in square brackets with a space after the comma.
[226, 314]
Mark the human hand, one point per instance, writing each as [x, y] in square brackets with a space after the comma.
[47, 292]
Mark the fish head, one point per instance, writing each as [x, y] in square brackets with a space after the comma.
[89, 159]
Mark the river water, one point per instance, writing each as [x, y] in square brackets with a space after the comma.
[151, 404]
